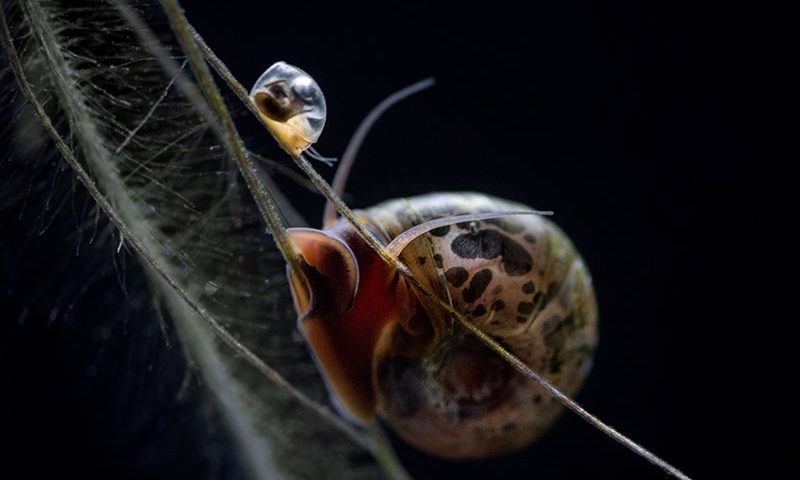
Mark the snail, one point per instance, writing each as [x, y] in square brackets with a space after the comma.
[388, 351]
[292, 106]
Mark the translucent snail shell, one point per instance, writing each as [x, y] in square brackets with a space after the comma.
[292, 105]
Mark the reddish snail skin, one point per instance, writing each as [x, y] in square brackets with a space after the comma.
[387, 351]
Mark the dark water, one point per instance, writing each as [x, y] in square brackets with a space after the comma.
[659, 133]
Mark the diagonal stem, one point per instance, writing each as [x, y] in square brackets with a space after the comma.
[266, 206]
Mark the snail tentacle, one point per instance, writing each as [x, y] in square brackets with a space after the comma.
[401, 241]
[350, 153]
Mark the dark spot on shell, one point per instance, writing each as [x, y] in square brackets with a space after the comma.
[509, 427]
[529, 287]
[522, 319]
[498, 305]
[479, 310]
[525, 308]
[437, 259]
[549, 325]
[456, 276]
[559, 331]
[537, 399]
[529, 238]
[477, 285]
[539, 300]
[489, 244]
[440, 231]
[556, 362]
[421, 260]
[552, 289]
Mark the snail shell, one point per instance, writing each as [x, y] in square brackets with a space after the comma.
[292, 106]
[388, 352]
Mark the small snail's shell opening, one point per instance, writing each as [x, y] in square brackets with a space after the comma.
[292, 106]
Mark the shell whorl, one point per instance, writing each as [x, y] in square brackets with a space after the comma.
[520, 280]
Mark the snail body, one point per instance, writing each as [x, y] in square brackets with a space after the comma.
[387, 351]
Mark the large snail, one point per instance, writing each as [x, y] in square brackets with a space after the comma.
[386, 350]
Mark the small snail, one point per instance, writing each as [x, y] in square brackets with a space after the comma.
[292, 106]
[387, 351]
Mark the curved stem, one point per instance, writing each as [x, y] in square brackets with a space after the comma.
[401, 241]
[350, 153]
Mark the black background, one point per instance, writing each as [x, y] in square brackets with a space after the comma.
[660, 133]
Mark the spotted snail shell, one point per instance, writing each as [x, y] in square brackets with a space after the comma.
[388, 351]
